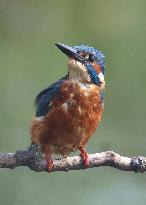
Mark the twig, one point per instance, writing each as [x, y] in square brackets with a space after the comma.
[33, 159]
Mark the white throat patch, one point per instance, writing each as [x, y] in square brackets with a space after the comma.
[78, 71]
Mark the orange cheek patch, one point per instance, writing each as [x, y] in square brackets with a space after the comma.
[96, 67]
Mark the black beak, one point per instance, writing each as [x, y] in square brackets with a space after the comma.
[70, 52]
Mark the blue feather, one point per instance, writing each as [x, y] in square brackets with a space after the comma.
[98, 55]
[45, 96]
[92, 73]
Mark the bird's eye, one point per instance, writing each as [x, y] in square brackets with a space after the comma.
[86, 57]
[89, 57]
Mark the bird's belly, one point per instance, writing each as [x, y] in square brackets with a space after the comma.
[70, 123]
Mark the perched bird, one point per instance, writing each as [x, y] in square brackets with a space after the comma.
[69, 111]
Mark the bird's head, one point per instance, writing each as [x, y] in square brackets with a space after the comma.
[85, 63]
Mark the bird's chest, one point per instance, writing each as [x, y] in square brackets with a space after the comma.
[74, 116]
[81, 104]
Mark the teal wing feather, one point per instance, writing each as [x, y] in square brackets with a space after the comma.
[43, 99]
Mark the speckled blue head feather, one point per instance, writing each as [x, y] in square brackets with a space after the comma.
[87, 56]
[98, 55]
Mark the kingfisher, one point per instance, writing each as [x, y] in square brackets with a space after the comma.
[68, 111]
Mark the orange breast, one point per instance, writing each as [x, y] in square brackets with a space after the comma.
[73, 118]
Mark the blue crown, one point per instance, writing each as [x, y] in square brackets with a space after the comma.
[98, 55]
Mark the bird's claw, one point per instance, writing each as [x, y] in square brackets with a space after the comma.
[50, 164]
[85, 157]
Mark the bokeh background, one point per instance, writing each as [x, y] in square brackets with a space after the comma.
[29, 61]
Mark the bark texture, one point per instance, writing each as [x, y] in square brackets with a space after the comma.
[32, 158]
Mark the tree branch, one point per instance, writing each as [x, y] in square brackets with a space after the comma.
[32, 158]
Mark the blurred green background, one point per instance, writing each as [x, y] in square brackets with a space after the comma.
[29, 61]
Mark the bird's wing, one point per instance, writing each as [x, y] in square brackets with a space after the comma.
[43, 99]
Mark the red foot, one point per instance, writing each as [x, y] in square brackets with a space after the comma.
[50, 162]
[85, 157]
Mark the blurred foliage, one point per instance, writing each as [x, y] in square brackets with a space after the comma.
[29, 61]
